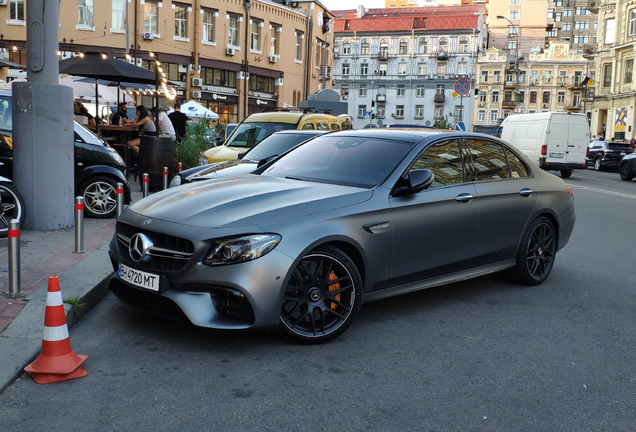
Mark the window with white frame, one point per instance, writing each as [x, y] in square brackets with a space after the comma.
[233, 31]
[274, 43]
[364, 48]
[561, 98]
[383, 69]
[463, 45]
[495, 96]
[582, 10]
[345, 69]
[547, 76]
[497, 76]
[441, 68]
[563, 77]
[150, 17]
[85, 13]
[344, 91]
[443, 44]
[402, 69]
[119, 15]
[581, 39]
[483, 96]
[346, 48]
[481, 116]
[361, 110]
[515, 1]
[484, 76]
[364, 69]
[567, 13]
[404, 46]
[513, 30]
[419, 111]
[401, 91]
[363, 90]
[576, 99]
[493, 116]
[462, 68]
[566, 26]
[512, 44]
[585, 25]
[256, 36]
[16, 10]
[421, 68]
[419, 92]
[180, 21]
[208, 25]
[399, 110]
[513, 14]
[380, 110]
[422, 46]
[299, 49]
[439, 111]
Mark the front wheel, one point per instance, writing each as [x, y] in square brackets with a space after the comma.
[322, 298]
[566, 173]
[11, 207]
[536, 253]
[625, 172]
[100, 197]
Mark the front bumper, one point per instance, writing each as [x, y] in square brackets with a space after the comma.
[239, 296]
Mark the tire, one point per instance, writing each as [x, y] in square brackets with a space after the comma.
[100, 197]
[11, 207]
[625, 172]
[322, 298]
[597, 164]
[566, 173]
[537, 251]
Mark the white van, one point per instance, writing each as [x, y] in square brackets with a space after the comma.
[553, 140]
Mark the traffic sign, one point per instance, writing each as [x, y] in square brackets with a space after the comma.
[518, 109]
[462, 86]
[460, 126]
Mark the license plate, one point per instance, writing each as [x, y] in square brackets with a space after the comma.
[622, 153]
[556, 155]
[138, 278]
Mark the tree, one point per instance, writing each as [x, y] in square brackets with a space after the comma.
[442, 123]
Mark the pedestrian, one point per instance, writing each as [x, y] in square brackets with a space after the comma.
[165, 125]
[121, 115]
[81, 113]
[179, 121]
[145, 124]
[593, 137]
[632, 143]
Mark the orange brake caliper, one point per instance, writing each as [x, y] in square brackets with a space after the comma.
[334, 287]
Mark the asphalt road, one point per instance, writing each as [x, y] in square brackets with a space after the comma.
[482, 355]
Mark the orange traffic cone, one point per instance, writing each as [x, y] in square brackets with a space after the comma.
[57, 361]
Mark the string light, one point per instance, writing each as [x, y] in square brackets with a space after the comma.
[59, 53]
[104, 56]
[81, 55]
[171, 95]
[151, 54]
[15, 48]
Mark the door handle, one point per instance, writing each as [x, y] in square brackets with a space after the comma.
[525, 192]
[464, 198]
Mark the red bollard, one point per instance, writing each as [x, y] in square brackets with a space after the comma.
[120, 199]
[165, 178]
[145, 185]
[180, 167]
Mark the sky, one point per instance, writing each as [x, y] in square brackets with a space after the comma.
[352, 4]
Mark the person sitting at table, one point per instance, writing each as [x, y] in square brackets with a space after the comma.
[145, 125]
[81, 113]
[121, 115]
[165, 125]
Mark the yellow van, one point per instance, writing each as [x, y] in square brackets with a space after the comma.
[254, 128]
[345, 121]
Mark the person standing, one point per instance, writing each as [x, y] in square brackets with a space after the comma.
[179, 121]
[166, 129]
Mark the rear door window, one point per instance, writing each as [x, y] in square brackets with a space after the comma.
[487, 160]
[444, 159]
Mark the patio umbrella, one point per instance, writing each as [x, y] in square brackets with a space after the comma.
[195, 109]
[7, 63]
[7, 85]
[86, 90]
[99, 67]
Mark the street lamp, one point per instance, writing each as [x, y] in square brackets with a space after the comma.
[516, 57]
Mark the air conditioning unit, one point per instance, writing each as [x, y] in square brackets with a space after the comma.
[273, 58]
[197, 82]
[148, 36]
[183, 69]
[546, 105]
[230, 51]
[3, 2]
[548, 80]
[481, 104]
[196, 94]
[344, 97]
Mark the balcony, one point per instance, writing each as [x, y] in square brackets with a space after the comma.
[589, 51]
[509, 84]
[441, 55]
[593, 6]
[380, 98]
[439, 98]
[576, 107]
[383, 56]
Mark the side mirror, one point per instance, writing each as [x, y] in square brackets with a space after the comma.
[219, 140]
[414, 182]
[241, 155]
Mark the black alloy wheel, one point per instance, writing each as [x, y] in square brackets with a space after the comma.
[597, 164]
[11, 207]
[322, 298]
[626, 172]
[537, 251]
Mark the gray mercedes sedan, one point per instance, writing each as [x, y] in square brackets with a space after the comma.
[353, 216]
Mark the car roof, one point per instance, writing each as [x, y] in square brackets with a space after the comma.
[409, 135]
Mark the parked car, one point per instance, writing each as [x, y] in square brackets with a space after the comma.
[256, 127]
[627, 167]
[98, 167]
[344, 218]
[225, 130]
[410, 126]
[272, 146]
[607, 154]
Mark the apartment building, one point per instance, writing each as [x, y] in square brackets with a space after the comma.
[613, 108]
[235, 57]
[549, 80]
[388, 4]
[403, 65]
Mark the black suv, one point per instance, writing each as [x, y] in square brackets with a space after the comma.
[98, 167]
[605, 154]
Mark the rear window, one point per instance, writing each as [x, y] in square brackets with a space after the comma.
[619, 146]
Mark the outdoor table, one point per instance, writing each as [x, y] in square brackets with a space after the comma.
[124, 135]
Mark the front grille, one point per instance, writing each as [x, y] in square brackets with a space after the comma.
[167, 253]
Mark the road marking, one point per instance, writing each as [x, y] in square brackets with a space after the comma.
[606, 192]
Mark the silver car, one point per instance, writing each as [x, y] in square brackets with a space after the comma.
[348, 217]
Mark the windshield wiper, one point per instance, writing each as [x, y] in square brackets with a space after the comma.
[296, 178]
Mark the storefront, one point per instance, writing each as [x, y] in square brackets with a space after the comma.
[226, 106]
[256, 105]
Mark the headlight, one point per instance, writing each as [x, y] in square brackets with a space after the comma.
[240, 249]
[176, 181]
[203, 160]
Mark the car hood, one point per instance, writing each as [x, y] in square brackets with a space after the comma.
[247, 200]
[223, 169]
[222, 153]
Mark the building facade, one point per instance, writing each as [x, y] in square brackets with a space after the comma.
[402, 67]
[234, 56]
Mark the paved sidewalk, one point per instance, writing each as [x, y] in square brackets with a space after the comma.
[44, 254]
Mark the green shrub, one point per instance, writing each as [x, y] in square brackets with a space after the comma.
[188, 150]
[442, 123]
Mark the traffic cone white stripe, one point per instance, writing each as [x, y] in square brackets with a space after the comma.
[55, 334]
[54, 298]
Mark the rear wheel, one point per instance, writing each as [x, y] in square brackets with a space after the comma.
[322, 298]
[11, 207]
[626, 172]
[536, 253]
[100, 197]
[566, 173]
[597, 164]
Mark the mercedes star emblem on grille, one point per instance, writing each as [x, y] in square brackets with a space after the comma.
[139, 246]
[147, 221]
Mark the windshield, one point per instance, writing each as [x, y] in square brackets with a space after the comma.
[275, 145]
[83, 134]
[350, 161]
[6, 123]
[247, 135]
